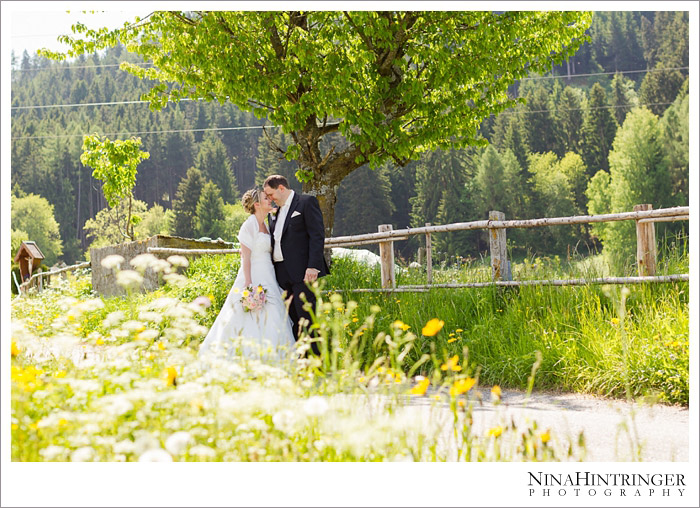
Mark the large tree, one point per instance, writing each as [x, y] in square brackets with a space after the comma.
[394, 84]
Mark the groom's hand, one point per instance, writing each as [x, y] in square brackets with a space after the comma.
[311, 275]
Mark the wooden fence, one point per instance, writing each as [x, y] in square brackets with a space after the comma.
[40, 279]
[643, 215]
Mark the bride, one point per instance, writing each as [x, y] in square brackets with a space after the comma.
[268, 326]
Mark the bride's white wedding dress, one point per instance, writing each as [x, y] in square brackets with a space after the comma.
[268, 327]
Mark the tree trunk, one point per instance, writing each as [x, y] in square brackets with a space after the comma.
[327, 194]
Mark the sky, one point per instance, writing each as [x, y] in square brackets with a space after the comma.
[32, 30]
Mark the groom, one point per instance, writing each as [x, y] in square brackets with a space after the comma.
[297, 236]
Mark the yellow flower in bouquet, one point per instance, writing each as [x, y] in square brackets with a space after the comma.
[254, 298]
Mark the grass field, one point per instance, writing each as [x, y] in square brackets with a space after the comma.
[118, 379]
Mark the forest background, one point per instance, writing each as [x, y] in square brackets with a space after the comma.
[604, 131]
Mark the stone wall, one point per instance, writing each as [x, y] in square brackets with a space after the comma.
[103, 281]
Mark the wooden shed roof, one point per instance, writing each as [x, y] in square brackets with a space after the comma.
[29, 248]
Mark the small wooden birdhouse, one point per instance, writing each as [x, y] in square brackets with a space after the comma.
[29, 258]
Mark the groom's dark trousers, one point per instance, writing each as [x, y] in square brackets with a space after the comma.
[302, 244]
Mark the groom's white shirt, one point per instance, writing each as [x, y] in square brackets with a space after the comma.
[279, 226]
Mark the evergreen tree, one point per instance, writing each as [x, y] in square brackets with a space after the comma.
[214, 164]
[568, 120]
[540, 122]
[210, 216]
[185, 203]
[363, 202]
[270, 159]
[675, 141]
[599, 129]
[623, 97]
[511, 132]
[659, 89]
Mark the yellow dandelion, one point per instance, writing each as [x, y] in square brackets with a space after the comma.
[451, 334]
[161, 346]
[452, 364]
[99, 342]
[496, 391]
[545, 436]
[461, 403]
[450, 341]
[615, 321]
[59, 374]
[496, 431]
[462, 386]
[459, 330]
[14, 349]
[354, 320]
[432, 327]
[171, 376]
[421, 387]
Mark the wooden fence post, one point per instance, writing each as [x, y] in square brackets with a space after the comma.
[429, 255]
[646, 244]
[500, 269]
[386, 253]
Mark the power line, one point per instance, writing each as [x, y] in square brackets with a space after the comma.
[583, 109]
[116, 103]
[275, 126]
[150, 132]
[71, 67]
[606, 73]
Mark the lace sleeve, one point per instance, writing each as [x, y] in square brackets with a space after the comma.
[246, 235]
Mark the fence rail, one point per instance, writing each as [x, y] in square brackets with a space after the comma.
[643, 215]
[38, 278]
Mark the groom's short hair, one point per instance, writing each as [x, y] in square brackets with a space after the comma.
[274, 181]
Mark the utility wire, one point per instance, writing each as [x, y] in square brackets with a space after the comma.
[115, 103]
[152, 132]
[274, 126]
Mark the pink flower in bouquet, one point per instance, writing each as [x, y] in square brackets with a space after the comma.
[253, 298]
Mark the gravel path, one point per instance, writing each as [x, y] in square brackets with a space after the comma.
[614, 430]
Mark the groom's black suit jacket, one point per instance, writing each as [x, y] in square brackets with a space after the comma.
[302, 237]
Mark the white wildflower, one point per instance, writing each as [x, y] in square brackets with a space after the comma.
[149, 334]
[153, 317]
[119, 405]
[163, 303]
[160, 265]
[124, 446]
[52, 452]
[113, 319]
[83, 454]
[155, 455]
[129, 279]
[315, 406]
[178, 261]
[202, 452]
[175, 279]
[178, 442]
[133, 325]
[285, 421]
[112, 261]
[143, 261]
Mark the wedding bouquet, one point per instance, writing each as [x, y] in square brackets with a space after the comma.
[253, 298]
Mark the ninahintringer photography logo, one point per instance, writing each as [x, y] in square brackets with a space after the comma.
[584, 483]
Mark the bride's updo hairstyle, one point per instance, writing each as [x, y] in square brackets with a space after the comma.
[249, 199]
